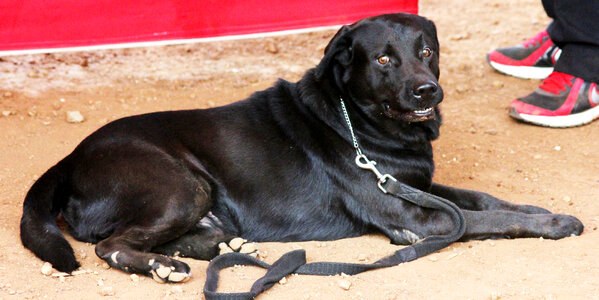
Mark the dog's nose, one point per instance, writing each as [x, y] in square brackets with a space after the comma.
[426, 90]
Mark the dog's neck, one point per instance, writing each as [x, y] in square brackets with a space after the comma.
[322, 99]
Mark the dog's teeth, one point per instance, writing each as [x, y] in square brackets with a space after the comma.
[423, 111]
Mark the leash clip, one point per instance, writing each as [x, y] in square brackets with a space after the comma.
[363, 162]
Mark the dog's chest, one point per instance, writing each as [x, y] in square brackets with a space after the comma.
[313, 205]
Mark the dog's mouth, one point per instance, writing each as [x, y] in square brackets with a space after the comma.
[420, 115]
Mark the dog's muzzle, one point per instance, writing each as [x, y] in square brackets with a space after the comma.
[427, 95]
[419, 115]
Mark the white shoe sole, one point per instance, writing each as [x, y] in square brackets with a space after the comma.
[578, 119]
[523, 72]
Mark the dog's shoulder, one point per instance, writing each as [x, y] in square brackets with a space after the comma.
[281, 92]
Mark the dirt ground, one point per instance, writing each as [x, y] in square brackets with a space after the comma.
[480, 148]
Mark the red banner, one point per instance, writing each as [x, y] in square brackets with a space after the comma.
[47, 24]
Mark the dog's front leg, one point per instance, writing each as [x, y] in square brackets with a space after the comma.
[405, 223]
[509, 224]
[473, 200]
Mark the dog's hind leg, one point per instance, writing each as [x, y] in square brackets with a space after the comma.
[161, 221]
[473, 200]
[200, 242]
[129, 197]
[205, 241]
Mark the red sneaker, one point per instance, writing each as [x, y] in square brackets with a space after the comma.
[562, 100]
[533, 58]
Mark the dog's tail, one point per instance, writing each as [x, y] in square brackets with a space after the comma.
[39, 231]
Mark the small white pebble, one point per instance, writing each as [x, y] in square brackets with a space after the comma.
[557, 148]
[362, 257]
[283, 281]
[344, 284]
[105, 266]
[47, 268]
[134, 277]
[248, 248]
[163, 271]
[567, 199]
[224, 248]
[107, 291]
[74, 116]
[236, 243]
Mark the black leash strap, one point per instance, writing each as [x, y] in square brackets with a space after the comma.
[295, 261]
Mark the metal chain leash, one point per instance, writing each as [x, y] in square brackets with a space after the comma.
[361, 160]
[351, 129]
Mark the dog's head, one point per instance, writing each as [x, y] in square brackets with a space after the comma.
[388, 65]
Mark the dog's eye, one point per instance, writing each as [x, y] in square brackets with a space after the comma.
[383, 60]
[426, 52]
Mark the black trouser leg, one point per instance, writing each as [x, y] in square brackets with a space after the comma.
[575, 30]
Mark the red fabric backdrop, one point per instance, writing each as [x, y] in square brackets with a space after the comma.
[43, 24]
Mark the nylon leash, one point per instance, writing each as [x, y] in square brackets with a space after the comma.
[295, 261]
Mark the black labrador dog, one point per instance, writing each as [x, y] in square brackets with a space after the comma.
[279, 166]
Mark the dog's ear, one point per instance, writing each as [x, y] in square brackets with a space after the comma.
[339, 50]
[431, 30]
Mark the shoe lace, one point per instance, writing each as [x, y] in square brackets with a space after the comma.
[535, 40]
[556, 82]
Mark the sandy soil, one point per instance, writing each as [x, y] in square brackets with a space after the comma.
[480, 148]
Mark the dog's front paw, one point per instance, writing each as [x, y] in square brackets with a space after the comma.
[561, 226]
[169, 270]
[238, 245]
